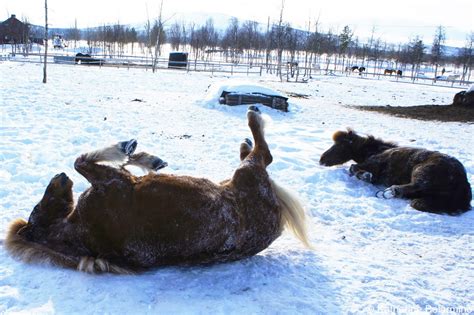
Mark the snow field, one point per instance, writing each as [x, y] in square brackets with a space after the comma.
[371, 255]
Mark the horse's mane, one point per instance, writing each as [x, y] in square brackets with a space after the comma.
[377, 142]
[358, 141]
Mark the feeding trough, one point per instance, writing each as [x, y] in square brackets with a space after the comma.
[245, 94]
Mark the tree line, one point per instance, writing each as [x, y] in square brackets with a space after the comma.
[275, 45]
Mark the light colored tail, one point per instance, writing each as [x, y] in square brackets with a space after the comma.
[31, 252]
[293, 216]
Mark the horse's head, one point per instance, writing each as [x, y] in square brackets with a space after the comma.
[341, 151]
[56, 204]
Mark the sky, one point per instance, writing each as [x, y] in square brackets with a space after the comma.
[393, 21]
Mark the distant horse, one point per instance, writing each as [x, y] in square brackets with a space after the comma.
[390, 71]
[436, 182]
[352, 68]
[126, 224]
[399, 73]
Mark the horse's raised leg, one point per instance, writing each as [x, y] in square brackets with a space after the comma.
[87, 166]
[260, 152]
[146, 161]
[245, 148]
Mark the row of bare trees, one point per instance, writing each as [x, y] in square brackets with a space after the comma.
[275, 44]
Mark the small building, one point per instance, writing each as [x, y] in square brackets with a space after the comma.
[14, 31]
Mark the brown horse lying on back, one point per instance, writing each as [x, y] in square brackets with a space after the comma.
[436, 182]
[125, 223]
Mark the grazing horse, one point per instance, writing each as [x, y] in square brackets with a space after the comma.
[434, 181]
[127, 224]
[399, 73]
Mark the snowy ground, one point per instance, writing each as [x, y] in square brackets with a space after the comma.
[371, 255]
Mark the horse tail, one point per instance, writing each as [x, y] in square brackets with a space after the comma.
[30, 252]
[293, 215]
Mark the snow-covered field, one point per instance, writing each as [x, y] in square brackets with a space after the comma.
[371, 255]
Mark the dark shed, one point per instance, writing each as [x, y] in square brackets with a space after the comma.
[178, 60]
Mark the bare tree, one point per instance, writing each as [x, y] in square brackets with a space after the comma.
[159, 37]
[175, 36]
[345, 39]
[45, 40]
[230, 41]
[437, 50]
[25, 35]
[74, 33]
[466, 57]
[279, 40]
[413, 54]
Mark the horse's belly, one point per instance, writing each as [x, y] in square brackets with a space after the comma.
[178, 235]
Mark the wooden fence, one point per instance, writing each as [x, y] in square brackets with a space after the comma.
[288, 72]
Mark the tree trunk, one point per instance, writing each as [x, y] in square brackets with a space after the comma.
[45, 40]
[436, 72]
[157, 46]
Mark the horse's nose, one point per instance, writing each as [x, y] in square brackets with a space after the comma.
[62, 177]
[322, 160]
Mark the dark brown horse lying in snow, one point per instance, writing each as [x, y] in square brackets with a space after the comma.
[436, 182]
[125, 223]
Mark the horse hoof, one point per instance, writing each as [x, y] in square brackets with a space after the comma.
[352, 169]
[128, 147]
[254, 108]
[366, 177]
[385, 194]
[158, 164]
[249, 142]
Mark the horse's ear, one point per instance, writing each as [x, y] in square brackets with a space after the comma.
[351, 135]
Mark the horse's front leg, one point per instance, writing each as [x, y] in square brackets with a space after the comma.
[260, 152]
[95, 173]
[245, 148]
[362, 174]
[407, 191]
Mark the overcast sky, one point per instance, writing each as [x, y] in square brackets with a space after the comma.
[394, 21]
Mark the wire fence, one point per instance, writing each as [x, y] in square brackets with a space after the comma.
[287, 71]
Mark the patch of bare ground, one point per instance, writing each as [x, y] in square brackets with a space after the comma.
[426, 112]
